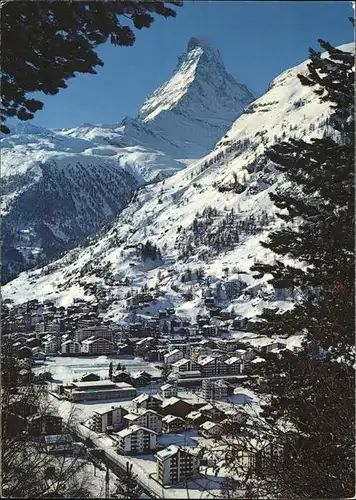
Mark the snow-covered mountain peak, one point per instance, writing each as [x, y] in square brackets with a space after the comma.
[199, 103]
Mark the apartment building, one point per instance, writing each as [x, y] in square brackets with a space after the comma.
[136, 440]
[51, 345]
[172, 356]
[177, 464]
[102, 332]
[212, 366]
[107, 420]
[214, 389]
[99, 346]
[233, 365]
[70, 347]
[148, 419]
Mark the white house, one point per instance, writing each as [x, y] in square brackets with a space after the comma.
[136, 440]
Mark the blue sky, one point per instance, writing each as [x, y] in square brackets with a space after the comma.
[257, 40]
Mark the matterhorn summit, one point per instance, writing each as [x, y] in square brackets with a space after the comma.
[198, 104]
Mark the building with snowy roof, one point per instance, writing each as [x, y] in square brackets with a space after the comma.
[176, 464]
[136, 440]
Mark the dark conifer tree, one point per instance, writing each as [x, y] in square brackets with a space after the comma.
[45, 43]
[314, 388]
[127, 486]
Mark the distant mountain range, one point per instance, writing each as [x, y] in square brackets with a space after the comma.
[58, 186]
[207, 219]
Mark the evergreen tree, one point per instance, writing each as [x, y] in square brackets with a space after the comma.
[127, 486]
[314, 389]
[110, 370]
[46, 43]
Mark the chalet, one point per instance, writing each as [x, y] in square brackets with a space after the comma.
[172, 424]
[121, 376]
[175, 406]
[90, 377]
[168, 390]
[185, 375]
[212, 412]
[210, 429]
[44, 424]
[194, 419]
[24, 352]
[147, 402]
[140, 379]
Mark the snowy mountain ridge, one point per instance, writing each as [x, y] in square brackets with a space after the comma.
[207, 220]
[101, 165]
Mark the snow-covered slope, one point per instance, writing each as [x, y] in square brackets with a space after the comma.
[60, 185]
[210, 215]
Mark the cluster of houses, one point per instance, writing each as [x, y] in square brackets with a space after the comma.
[42, 329]
[203, 355]
[136, 429]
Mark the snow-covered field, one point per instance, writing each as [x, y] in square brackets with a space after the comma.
[65, 369]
